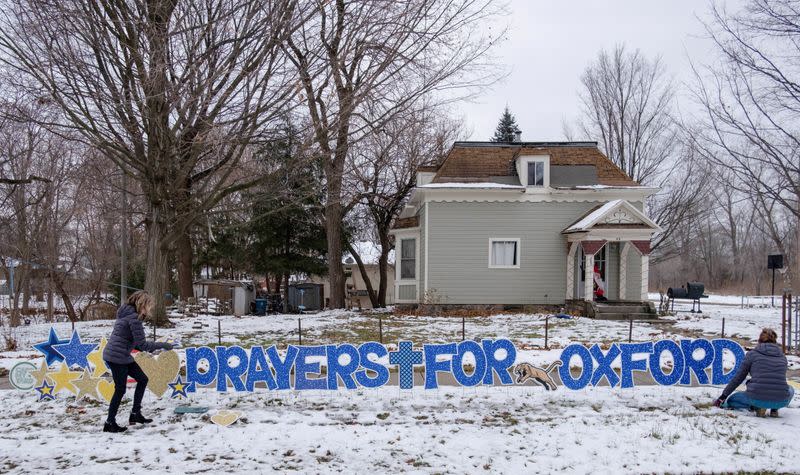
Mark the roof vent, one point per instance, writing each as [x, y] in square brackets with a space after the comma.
[518, 136]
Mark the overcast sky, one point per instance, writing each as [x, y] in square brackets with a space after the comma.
[550, 43]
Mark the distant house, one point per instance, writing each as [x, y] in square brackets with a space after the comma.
[356, 295]
[529, 223]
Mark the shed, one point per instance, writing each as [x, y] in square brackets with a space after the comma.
[239, 293]
[306, 295]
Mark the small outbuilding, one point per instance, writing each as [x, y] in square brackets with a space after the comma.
[238, 293]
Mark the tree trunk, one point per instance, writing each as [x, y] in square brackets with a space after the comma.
[373, 297]
[157, 267]
[383, 267]
[333, 228]
[185, 271]
[58, 281]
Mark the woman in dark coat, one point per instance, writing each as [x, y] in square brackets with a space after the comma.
[767, 387]
[129, 334]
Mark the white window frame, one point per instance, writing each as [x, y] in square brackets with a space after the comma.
[406, 233]
[416, 257]
[522, 171]
[518, 256]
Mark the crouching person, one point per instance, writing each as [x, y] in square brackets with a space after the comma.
[767, 387]
[128, 334]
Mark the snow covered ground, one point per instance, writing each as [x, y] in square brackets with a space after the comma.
[449, 430]
[485, 430]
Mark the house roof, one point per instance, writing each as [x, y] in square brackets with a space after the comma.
[616, 213]
[469, 162]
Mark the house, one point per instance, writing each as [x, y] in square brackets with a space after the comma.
[524, 224]
[356, 294]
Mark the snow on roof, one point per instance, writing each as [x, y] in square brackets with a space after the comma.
[369, 252]
[593, 216]
[481, 185]
[604, 187]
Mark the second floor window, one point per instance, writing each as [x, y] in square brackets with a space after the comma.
[535, 173]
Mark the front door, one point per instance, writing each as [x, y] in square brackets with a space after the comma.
[600, 280]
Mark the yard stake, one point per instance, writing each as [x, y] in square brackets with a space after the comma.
[299, 334]
[380, 330]
[219, 332]
[463, 327]
[546, 331]
[783, 322]
[723, 327]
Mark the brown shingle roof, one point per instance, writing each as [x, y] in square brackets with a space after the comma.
[476, 161]
[402, 223]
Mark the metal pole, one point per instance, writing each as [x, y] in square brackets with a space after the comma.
[380, 330]
[723, 327]
[299, 334]
[630, 329]
[219, 332]
[773, 286]
[546, 331]
[789, 342]
[783, 322]
[463, 328]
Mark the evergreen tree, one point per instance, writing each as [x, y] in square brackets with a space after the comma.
[507, 128]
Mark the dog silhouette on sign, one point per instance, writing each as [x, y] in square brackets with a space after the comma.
[526, 371]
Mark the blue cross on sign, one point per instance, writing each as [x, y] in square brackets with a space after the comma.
[405, 358]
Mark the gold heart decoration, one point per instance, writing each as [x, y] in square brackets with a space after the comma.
[225, 417]
[105, 389]
[160, 370]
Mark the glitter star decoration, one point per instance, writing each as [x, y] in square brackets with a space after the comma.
[46, 391]
[63, 379]
[40, 375]
[96, 360]
[51, 355]
[179, 388]
[86, 385]
[75, 351]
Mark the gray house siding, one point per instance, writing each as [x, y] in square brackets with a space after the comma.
[421, 257]
[612, 270]
[458, 240]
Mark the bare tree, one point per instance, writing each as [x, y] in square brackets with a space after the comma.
[384, 169]
[174, 92]
[362, 62]
[750, 101]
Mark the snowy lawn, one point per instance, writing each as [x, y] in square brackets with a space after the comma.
[450, 430]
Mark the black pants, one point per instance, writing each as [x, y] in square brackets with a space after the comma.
[120, 373]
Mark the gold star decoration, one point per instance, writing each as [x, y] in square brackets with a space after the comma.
[41, 373]
[87, 385]
[95, 358]
[63, 379]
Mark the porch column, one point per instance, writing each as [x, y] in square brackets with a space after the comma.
[590, 248]
[644, 249]
[571, 270]
[623, 270]
[588, 275]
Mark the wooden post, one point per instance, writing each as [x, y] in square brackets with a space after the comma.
[546, 331]
[463, 328]
[630, 329]
[155, 324]
[299, 334]
[380, 330]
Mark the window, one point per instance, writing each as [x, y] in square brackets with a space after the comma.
[504, 253]
[408, 259]
[536, 173]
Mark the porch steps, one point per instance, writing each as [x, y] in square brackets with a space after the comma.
[624, 311]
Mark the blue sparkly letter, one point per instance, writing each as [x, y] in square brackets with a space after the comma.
[604, 364]
[677, 362]
[283, 368]
[586, 367]
[432, 366]
[629, 365]
[226, 371]
[193, 357]
[718, 374]
[693, 365]
[458, 364]
[382, 373]
[303, 367]
[258, 360]
[344, 371]
[499, 366]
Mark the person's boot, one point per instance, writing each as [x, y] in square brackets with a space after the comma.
[761, 412]
[138, 418]
[113, 427]
[773, 413]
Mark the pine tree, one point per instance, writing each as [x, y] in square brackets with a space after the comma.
[507, 128]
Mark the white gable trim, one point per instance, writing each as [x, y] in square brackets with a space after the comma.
[618, 211]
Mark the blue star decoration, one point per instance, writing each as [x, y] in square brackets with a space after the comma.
[46, 348]
[179, 388]
[75, 351]
[405, 358]
[46, 391]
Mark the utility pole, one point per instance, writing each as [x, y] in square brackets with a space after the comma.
[123, 257]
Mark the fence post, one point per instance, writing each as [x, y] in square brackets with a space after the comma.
[723, 327]
[380, 329]
[630, 329]
[463, 328]
[155, 324]
[219, 332]
[546, 331]
[299, 333]
[783, 322]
